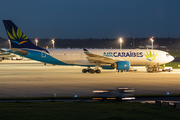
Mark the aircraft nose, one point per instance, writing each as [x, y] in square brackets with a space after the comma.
[171, 58]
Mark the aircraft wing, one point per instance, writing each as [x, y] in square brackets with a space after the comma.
[6, 50]
[98, 58]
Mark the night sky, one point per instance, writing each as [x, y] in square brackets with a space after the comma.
[93, 18]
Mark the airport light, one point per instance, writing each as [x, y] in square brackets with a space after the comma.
[53, 42]
[120, 41]
[152, 41]
[36, 40]
[9, 43]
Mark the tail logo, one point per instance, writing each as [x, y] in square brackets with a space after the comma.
[17, 36]
[150, 55]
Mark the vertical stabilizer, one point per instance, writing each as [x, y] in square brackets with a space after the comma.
[18, 38]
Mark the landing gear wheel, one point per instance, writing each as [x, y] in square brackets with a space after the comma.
[91, 71]
[98, 71]
[84, 71]
[149, 69]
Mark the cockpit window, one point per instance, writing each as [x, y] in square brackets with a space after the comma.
[167, 55]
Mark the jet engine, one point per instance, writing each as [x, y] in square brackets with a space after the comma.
[121, 65]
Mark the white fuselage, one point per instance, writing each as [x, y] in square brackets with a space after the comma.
[134, 56]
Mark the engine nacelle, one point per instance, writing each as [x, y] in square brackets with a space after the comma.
[121, 65]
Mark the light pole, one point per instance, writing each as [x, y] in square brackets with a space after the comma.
[36, 40]
[152, 41]
[120, 41]
[133, 42]
[53, 42]
[9, 43]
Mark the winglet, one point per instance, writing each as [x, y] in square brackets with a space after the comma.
[85, 50]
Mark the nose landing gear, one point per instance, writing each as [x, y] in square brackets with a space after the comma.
[154, 68]
[157, 68]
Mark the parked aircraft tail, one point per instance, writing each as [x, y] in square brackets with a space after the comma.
[18, 39]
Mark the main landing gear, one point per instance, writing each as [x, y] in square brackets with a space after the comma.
[121, 71]
[97, 70]
[91, 70]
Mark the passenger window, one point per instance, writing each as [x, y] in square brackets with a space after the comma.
[167, 55]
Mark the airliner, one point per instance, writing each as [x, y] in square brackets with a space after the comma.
[120, 59]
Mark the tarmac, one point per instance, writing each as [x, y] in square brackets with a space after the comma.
[34, 79]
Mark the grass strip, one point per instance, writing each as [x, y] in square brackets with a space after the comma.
[175, 65]
[86, 111]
